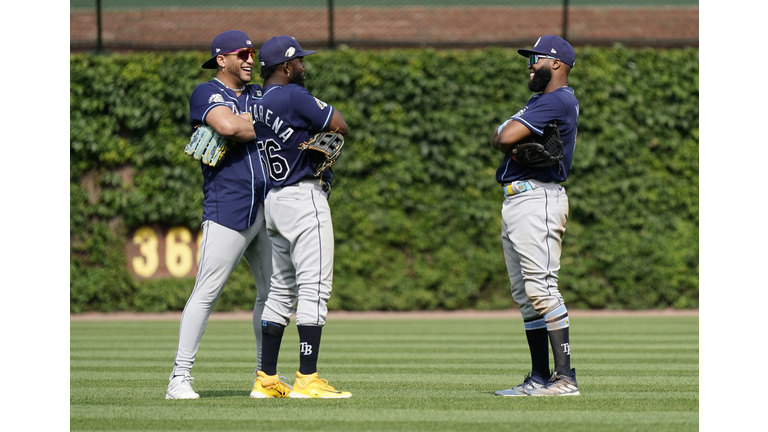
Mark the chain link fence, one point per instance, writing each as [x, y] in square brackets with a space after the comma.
[140, 25]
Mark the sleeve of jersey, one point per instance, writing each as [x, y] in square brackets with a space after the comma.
[540, 113]
[204, 97]
[316, 113]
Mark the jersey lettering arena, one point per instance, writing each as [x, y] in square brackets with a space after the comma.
[233, 188]
[560, 105]
[285, 117]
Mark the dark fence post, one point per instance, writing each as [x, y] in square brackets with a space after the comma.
[331, 41]
[565, 19]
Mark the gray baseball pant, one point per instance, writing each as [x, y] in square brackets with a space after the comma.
[300, 227]
[533, 224]
[220, 251]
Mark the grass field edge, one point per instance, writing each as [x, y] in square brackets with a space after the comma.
[358, 315]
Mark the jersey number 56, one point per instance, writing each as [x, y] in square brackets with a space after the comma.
[276, 165]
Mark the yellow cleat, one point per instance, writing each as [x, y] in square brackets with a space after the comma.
[310, 386]
[267, 386]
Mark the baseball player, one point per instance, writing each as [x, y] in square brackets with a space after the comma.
[298, 218]
[233, 211]
[534, 214]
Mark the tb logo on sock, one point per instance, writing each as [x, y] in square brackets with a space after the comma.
[305, 349]
[566, 348]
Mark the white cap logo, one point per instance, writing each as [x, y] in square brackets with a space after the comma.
[290, 51]
[553, 51]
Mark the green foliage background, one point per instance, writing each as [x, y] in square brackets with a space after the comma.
[415, 204]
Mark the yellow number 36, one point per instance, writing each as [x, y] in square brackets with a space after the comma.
[154, 254]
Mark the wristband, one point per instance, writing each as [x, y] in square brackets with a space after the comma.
[498, 131]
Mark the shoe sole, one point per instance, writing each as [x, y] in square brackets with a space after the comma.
[297, 395]
[260, 395]
[173, 398]
[561, 394]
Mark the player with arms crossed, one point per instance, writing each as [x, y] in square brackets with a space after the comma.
[233, 211]
[535, 211]
[298, 217]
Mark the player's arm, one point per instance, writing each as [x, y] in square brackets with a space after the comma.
[512, 132]
[235, 127]
[337, 122]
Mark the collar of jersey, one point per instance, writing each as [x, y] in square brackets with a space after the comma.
[273, 86]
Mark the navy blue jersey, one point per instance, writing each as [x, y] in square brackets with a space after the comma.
[287, 116]
[560, 105]
[233, 188]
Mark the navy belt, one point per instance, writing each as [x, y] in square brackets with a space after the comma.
[323, 184]
[326, 187]
[517, 187]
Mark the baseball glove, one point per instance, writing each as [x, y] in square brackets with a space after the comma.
[207, 145]
[546, 151]
[329, 144]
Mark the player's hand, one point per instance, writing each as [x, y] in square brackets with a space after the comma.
[248, 117]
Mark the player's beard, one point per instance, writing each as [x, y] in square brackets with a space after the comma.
[238, 73]
[297, 79]
[541, 78]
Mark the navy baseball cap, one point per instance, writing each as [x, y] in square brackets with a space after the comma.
[554, 46]
[230, 40]
[280, 49]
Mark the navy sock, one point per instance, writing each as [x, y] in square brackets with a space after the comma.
[538, 344]
[561, 350]
[272, 336]
[558, 325]
[309, 346]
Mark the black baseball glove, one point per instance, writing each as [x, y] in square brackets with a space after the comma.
[546, 151]
[329, 144]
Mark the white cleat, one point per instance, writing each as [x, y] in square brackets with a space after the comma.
[180, 387]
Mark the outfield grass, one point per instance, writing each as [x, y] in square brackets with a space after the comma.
[635, 374]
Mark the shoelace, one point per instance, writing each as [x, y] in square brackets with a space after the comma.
[324, 384]
[281, 388]
[188, 380]
[278, 387]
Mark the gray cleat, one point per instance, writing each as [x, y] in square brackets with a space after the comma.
[530, 382]
[558, 385]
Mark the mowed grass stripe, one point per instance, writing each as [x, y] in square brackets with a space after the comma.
[333, 417]
[415, 375]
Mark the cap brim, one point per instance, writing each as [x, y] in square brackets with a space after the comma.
[210, 63]
[300, 53]
[527, 52]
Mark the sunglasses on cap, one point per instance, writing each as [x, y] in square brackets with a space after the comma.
[243, 54]
[534, 58]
